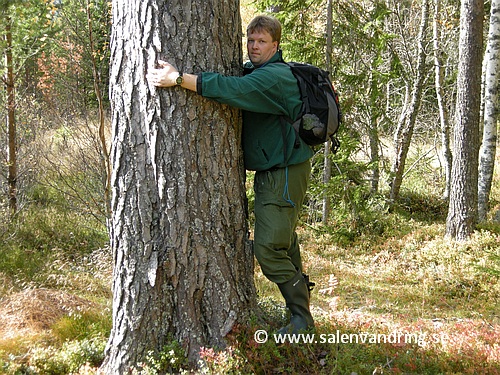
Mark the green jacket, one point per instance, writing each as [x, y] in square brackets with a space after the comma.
[270, 91]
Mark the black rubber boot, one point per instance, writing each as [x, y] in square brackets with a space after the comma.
[296, 293]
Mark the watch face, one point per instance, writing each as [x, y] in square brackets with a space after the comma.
[179, 80]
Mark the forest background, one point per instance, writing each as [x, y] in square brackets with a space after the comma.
[378, 252]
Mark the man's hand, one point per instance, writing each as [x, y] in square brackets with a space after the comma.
[164, 76]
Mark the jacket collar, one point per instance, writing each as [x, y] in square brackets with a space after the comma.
[277, 57]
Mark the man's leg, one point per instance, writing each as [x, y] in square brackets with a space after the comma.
[294, 252]
[276, 245]
[275, 241]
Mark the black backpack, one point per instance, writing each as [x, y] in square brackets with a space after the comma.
[320, 115]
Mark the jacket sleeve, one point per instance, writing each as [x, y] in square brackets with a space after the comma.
[266, 90]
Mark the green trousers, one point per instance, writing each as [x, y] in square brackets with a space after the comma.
[279, 196]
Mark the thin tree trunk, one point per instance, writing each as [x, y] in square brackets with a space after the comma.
[462, 210]
[327, 170]
[105, 162]
[443, 111]
[488, 147]
[183, 267]
[404, 137]
[11, 119]
[373, 134]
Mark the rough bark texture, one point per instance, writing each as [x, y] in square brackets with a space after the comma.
[488, 146]
[183, 267]
[462, 210]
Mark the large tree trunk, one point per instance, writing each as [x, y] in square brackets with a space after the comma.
[462, 210]
[405, 133]
[183, 267]
[443, 111]
[488, 146]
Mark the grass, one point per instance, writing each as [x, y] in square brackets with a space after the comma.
[418, 284]
[54, 288]
[391, 274]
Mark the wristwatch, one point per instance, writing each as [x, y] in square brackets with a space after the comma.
[179, 79]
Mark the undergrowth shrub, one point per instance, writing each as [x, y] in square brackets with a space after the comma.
[68, 359]
[44, 232]
[170, 360]
[353, 207]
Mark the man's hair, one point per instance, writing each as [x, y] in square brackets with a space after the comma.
[266, 23]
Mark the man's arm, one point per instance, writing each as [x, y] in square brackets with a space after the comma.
[166, 76]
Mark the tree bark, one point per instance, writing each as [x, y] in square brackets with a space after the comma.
[404, 135]
[327, 169]
[488, 147]
[462, 210]
[11, 119]
[443, 111]
[373, 132]
[183, 267]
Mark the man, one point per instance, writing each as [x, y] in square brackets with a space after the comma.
[271, 148]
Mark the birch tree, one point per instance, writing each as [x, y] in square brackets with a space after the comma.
[182, 265]
[404, 132]
[462, 210]
[442, 106]
[488, 146]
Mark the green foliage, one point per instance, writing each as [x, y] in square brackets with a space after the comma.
[32, 23]
[43, 232]
[68, 359]
[78, 23]
[353, 206]
[48, 229]
[48, 360]
[170, 360]
[299, 41]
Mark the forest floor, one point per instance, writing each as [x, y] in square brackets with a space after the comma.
[397, 299]
[415, 303]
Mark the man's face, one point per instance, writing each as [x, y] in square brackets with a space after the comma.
[260, 47]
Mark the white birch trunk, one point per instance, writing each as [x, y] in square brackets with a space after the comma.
[488, 147]
[443, 111]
